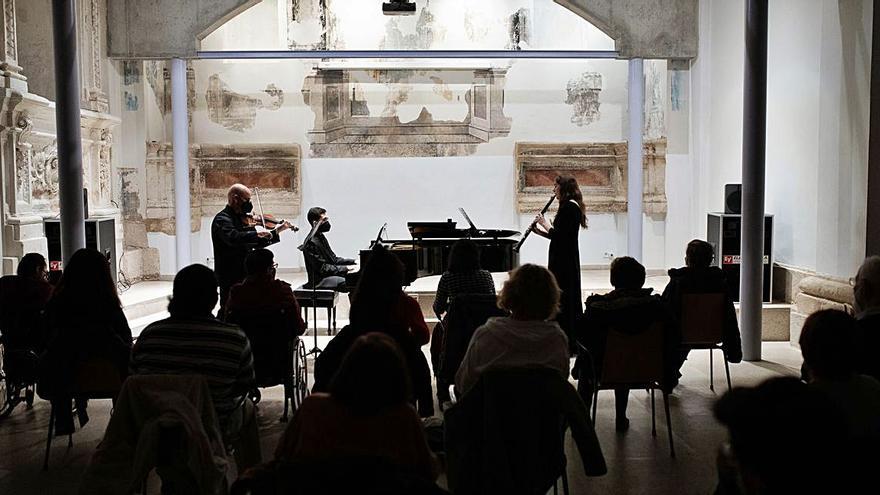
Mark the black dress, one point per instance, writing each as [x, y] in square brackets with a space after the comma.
[565, 264]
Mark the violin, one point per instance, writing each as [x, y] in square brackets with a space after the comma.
[264, 220]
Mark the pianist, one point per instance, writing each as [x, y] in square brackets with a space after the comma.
[323, 266]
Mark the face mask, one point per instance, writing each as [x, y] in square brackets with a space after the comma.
[247, 207]
[325, 227]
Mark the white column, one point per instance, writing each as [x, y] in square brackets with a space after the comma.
[635, 158]
[180, 141]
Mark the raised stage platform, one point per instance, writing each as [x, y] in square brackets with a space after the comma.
[147, 302]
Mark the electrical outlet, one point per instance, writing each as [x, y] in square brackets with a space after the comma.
[608, 255]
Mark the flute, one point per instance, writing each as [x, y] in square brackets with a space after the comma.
[532, 225]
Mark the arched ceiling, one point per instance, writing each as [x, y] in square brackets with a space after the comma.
[662, 29]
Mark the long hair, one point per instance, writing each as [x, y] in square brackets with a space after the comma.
[464, 257]
[86, 285]
[569, 190]
[377, 291]
[372, 376]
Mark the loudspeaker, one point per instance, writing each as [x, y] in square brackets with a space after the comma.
[733, 199]
[100, 236]
[725, 236]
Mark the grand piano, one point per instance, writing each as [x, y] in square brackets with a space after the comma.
[427, 252]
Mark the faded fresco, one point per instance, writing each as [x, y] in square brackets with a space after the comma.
[236, 111]
[582, 94]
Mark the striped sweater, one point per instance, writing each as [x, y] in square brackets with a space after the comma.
[198, 346]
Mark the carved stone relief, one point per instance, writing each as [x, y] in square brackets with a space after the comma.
[10, 41]
[235, 111]
[583, 95]
[345, 127]
[600, 169]
[272, 168]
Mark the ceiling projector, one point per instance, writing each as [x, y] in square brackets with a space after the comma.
[399, 7]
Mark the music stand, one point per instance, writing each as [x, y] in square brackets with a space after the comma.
[315, 350]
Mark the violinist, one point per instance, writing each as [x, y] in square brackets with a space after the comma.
[234, 234]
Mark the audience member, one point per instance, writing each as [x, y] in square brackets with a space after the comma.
[84, 322]
[527, 338]
[698, 277]
[327, 269]
[365, 415]
[784, 437]
[828, 343]
[192, 342]
[23, 297]
[866, 296]
[379, 305]
[261, 291]
[631, 309]
[463, 276]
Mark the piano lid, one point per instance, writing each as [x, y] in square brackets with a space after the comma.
[447, 230]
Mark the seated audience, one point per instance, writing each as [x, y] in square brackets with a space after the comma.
[23, 297]
[261, 291]
[462, 276]
[366, 413]
[866, 296]
[784, 437]
[379, 305]
[828, 343]
[698, 277]
[629, 308]
[327, 269]
[528, 338]
[84, 322]
[192, 341]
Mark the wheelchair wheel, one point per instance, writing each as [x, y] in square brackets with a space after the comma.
[301, 375]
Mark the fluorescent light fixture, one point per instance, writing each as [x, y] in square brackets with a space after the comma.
[398, 7]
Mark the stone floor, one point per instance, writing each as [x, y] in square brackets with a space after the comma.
[637, 462]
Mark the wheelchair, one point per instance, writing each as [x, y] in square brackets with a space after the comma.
[18, 377]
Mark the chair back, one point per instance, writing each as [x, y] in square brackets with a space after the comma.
[467, 312]
[96, 378]
[272, 335]
[702, 318]
[633, 358]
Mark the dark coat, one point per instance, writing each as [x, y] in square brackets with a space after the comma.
[232, 241]
[704, 281]
[330, 359]
[322, 262]
[506, 435]
[22, 301]
[869, 342]
[564, 262]
[630, 311]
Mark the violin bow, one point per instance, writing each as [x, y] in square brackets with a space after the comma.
[260, 206]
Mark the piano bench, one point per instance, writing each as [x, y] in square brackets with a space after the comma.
[320, 298]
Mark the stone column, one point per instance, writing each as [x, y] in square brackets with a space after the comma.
[753, 176]
[180, 136]
[12, 85]
[635, 158]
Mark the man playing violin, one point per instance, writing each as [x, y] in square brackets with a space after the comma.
[234, 235]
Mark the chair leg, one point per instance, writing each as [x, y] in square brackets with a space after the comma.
[726, 369]
[565, 481]
[329, 321]
[334, 320]
[668, 424]
[305, 310]
[595, 401]
[711, 371]
[653, 416]
[49, 438]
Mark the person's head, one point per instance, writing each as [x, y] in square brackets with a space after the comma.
[239, 198]
[566, 188]
[828, 343]
[378, 289]
[194, 292]
[33, 266]
[260, 263]
[782, 427]
[627, 273]
[86, 283]
[372, 376]
[866, 285]
[699, 254]
[464, 257]
[531, 293]
[315, 214]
